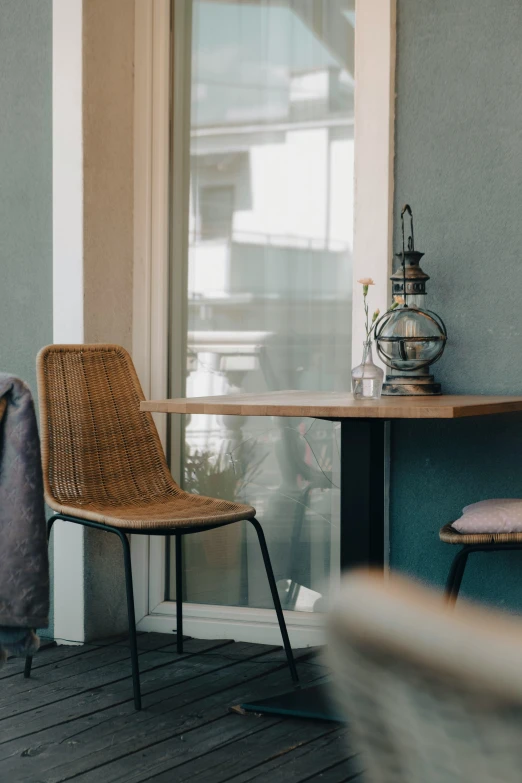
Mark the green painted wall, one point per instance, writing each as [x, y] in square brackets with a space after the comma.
[459, 164]
[25, 184]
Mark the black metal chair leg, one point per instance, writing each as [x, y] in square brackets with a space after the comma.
[179, 593]
[27, 667]
[455, 575]
[50, 523]
[132, 619]
[275, 598]
[130, 597]
[29, 658]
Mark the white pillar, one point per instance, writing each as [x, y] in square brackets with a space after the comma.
[93, 104]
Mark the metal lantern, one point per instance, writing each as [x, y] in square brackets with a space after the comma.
[409, 338]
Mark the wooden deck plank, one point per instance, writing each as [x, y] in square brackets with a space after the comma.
[60, 673]
[15, 666]
[347, 771]
[124, 731]
[52, 655]
[146, 641]
[176, 751]
[96, 658]
[180, 691]
[83, 701]
[217, 752]
[262, 739]
[305, 761]
[158, 687]
[79, 679]
[85, 728]
[124, 751]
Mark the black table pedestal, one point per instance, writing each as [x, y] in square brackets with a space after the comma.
[363, 516]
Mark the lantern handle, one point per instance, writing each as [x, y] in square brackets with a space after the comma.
[411, 243]
[411, 246]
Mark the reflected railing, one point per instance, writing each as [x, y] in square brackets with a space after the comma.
[297, 241]
[290, 474]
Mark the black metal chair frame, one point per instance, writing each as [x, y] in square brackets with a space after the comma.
[122, 534]
[460, 560]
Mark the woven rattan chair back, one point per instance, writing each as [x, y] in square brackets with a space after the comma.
[96, 444]
[432, 695]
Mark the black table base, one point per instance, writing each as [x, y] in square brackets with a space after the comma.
[311, 702]
[363, 515]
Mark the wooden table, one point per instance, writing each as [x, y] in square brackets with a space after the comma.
[338, 405]
[363, 457]
[362, 444]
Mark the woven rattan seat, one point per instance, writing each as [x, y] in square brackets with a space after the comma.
[449, 535]
[102, 457]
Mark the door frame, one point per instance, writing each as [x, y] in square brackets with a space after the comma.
[155, 59]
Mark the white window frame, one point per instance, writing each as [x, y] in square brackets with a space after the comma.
[374, 146]
[68, 309]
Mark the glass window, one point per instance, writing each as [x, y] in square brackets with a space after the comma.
[269, 285]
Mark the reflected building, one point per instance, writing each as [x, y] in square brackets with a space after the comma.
[269, 274]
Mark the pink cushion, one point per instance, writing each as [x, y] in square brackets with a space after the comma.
[491, 516]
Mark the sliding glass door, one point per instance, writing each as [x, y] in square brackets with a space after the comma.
[268, 294]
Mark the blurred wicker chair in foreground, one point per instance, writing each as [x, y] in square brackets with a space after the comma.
[433, 693]
[104, 468]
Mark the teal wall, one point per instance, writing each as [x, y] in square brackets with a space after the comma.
[25, 184]
[459, 164]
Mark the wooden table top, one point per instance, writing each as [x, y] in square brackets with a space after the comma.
[338, 405]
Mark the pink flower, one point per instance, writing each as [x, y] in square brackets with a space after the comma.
[366, 281]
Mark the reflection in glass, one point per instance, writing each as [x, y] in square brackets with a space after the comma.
[269, 284]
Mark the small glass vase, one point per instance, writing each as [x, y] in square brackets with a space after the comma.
[367, 378]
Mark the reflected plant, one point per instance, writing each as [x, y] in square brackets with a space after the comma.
[324, 463]
[223, 475]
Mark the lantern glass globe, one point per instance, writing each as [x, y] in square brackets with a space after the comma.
[409, 338]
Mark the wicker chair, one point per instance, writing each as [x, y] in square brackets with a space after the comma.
[433, 693]
[469, 543]
[104, 468]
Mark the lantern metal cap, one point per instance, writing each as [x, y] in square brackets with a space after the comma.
[413, 270]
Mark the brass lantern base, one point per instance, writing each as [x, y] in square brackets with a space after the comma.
[410, 386]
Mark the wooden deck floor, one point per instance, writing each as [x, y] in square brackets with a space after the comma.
[74, 719]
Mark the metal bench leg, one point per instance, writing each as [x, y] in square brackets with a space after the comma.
[455, 575]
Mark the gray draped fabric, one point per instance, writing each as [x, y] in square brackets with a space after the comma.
[24, 569]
